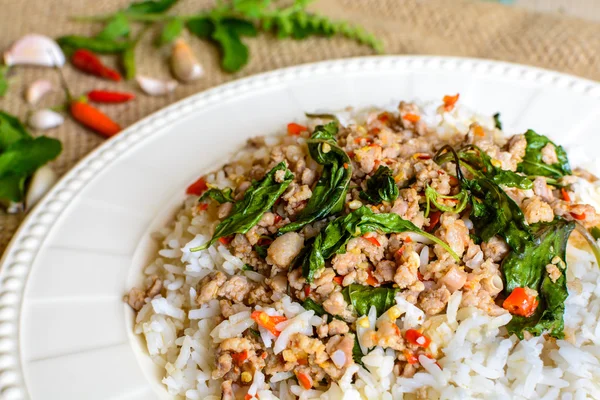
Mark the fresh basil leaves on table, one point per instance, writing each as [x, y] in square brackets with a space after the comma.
[20, 156]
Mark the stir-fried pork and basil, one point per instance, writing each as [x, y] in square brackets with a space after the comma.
[360, 223]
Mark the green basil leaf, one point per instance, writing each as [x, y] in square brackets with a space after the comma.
[11, 130]
[3, 80]
[170, 31]
[357, 354]
[495, 213]
[73, 42]
[258, 199]
[117, 27]
[150, 6]
[203, 27]
[480, 165]
[497, 121]
[329, 193]
[234, 53]
[251, 8]
[218, 195]
[333, 239]
[261, 250]
[380, 187]
[432, 196]
[310, 304]
[12, 189]
[247, 267]
[532, 163]
[528, 269]
[595, 231]
[24, 157]
[240, 26]
[363, 297]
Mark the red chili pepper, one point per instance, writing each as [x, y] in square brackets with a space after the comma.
[304, 380]
[579, 217]
[94, 119]
[277, 218]
[384, 117]
[339, 280]
[521, 301]
[226, 239]
[202, 207]
[478, 131]
[239, 358]
[434, 218]
[565, 194]
[197, 187]
[417, 338]
[450, 101]
[422, 156]
[414, 118]
[306, 290]
[410, 357]
[302, 361]
[105, 96]
[371, 280]
[86, 61]
[295, 129]
[268, 321]
[373, 240]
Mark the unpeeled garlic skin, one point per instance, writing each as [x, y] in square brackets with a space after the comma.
[37, 90]
[34, 49]
[45, 119]
[42, 180]
[155, 87]
[184, 64]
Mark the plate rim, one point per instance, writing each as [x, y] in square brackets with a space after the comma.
[22, 249]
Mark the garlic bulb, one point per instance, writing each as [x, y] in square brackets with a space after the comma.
[156, 87]
[37, 90]
[35, 49]
[43, 179]
[184, 64]
[45, 119]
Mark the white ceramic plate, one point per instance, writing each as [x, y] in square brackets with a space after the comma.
[65, 332]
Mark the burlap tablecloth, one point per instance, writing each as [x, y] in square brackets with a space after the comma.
[442, 27]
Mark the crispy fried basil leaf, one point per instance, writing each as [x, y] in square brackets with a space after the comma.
[258, 199]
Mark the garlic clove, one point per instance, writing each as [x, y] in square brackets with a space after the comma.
[35, 49]
[45, 119]
[14, 208]
[42, 180]
[37, 90]
[184, 64]
[155, 87]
